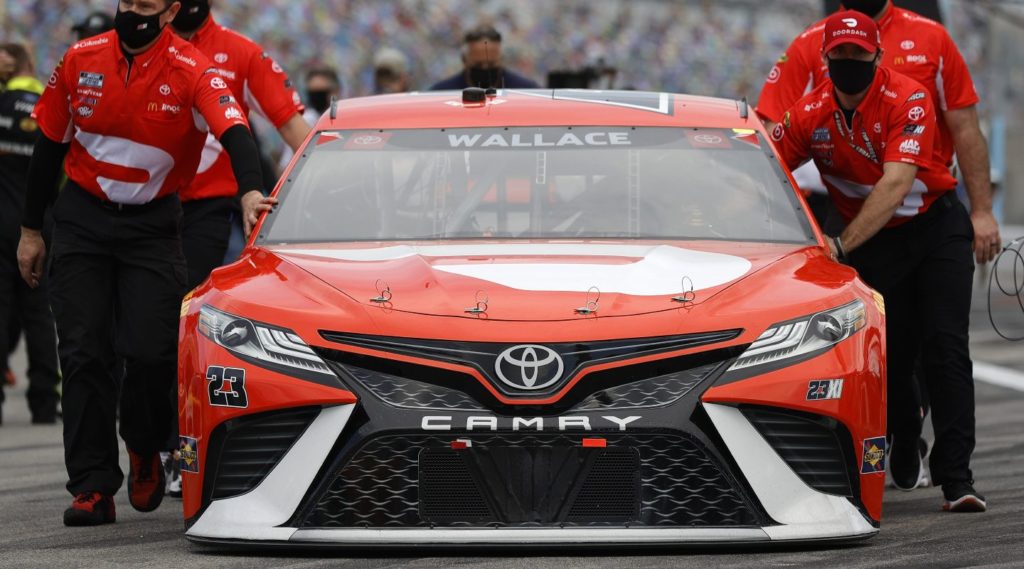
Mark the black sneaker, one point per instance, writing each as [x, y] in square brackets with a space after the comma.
[905, 464]
[90, 509]
[962, 497]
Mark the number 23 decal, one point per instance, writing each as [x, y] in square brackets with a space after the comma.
[227, 387]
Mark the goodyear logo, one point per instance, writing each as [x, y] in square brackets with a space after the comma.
[188, 449]
[873, 461]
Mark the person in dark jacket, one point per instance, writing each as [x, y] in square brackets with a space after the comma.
[482, 65]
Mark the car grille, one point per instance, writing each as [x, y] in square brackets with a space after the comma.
[654, 480]
[413, 386]
[247, 449]
[810, 445]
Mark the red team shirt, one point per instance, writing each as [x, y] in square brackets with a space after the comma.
[137, 132]
[257, 82]
[896, 122]
[913, 46]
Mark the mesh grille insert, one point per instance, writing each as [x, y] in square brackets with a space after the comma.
[809, 445]
[252, 446]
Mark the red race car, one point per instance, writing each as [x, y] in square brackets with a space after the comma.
[533, 318]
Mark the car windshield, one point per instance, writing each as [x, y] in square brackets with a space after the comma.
[536, 183]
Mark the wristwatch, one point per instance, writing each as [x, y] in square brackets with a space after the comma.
[840, 251]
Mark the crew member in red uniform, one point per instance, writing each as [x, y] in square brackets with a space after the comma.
[872, 133]
[258, 83]
[922, 50]
[130, 110]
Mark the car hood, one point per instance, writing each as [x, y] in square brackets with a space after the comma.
[535, 280]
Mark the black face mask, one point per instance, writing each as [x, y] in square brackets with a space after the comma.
[135, 30]
[193, 14]
[869, 7]
[319, 100]
[851, 76]
[484, 77]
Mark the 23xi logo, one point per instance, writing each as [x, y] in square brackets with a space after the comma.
[227, 387]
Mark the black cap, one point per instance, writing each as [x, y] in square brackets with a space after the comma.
[94, 24]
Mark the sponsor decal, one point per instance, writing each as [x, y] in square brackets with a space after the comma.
[276, 67]
[707, 140]
[84, 112]
[90, 79]
[90, 93]
[185, 59]
[54, 77]
[90, 43]
[914, 129]
[225, 73]
[907, 45]
[873, 460]
[778, 132]
[812, 106]
[774, 75]
[170, 108]
[916, 114]
[917, 96]
[898, 60]
[878, 128]
[226, 100]
[538, 140]
[232, 113]
[165, 89]
[188, 450]
[28, 124]
[890, 94]
[822, 134]
[220, 58]
[226, 387]
[218, 83]
[910, 146]
[367, 141]
[823, 389]
[529, 367]
[152, 107]
[879, 301]
[493, 423]
[786, 120]
[918, 59]
[6, 122]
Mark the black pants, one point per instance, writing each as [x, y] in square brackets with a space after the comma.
[115, 273]
[924, 269]
[205, 236]
[30, 309]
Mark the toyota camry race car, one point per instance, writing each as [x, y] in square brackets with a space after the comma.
[533, 317]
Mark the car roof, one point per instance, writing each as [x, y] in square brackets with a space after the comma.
[537, 107]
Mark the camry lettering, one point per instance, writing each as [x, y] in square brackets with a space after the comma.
[492, 423]
[539, 140]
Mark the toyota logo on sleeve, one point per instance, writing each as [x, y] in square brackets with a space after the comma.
[529, 367]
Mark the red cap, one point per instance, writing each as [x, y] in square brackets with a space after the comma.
[853, 27]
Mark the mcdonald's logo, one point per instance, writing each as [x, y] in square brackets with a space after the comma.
[152, 107]
[899, 60]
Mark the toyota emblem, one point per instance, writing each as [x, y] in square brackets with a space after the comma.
[529, 366]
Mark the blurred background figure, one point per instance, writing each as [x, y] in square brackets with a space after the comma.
[482, 65]
[93, 25]
[390, 71]
[21, 307]
[322, 83]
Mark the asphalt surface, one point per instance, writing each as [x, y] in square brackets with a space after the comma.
[915, 533]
